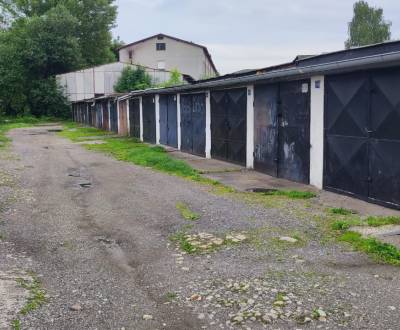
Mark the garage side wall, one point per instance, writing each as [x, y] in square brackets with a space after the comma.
[317, 131]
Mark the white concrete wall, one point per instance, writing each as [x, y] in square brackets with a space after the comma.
[178, 116]
[250, 127]
[83, 84]
[188, 59]
[208, 124]
[157, 103]
[141, 118]
[317, 131]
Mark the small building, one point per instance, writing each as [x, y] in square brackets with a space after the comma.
[167, 53]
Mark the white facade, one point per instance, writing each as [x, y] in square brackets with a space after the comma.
[168, 53]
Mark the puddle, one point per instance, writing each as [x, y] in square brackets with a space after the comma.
[54, 130]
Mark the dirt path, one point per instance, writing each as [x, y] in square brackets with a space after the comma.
[96, 232]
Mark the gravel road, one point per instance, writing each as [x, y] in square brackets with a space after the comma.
[96, 232]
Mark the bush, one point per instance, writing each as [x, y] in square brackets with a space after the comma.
[132, 79]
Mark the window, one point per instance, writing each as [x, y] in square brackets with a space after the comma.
[160, 37]
[161, 65]
[160, 46]
[130, 54]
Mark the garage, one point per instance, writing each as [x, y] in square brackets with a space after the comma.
[149, 119]
[106, 119]
[282, 130]
[228, 125]
[134, 117]
[123, 118]
[362, 135]
[113, 116]
[193, 123]
[99, 114]
[168, 120]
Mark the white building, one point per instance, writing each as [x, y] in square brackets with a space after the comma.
[167, 53]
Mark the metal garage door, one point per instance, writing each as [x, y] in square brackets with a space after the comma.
[282, 130]
[362, 135]
[168, 120]
[228, 125]
[193, 123]
[99, 115]
[134, 118]
[106, 115]
[123, 118]
[149, 119]
[113, 116]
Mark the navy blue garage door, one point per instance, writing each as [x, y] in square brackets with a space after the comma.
[134, 118]
[168, 120]
[193, 123]
[149, 119]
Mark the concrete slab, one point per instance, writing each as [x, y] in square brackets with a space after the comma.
[204, 165]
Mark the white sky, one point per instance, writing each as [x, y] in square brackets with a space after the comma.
[247, 34]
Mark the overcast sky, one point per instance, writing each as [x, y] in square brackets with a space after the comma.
[243, 34]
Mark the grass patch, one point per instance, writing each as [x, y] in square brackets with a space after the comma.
[37, 296]
[378, 250]
[340, 211]
[76, 132]
[186, 212]
[382, 221]
[293, 194]
[345, 223]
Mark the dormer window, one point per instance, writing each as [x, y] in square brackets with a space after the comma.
[160, 46]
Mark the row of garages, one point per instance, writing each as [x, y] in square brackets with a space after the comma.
[332, 121]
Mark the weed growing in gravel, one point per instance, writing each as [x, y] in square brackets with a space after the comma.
[171, 296]
[181, 239]
[348, 222]
[16, 325]
[186, 212]
[37, 296]
[378, 250]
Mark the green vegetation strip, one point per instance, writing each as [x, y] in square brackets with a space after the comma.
[342, 221]
[186, 212]
[134, 151]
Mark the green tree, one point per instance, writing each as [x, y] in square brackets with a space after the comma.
[368, 26]
[175, 79]
[95, 18]
[115, 45]
[32, 51]
[132, 79]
